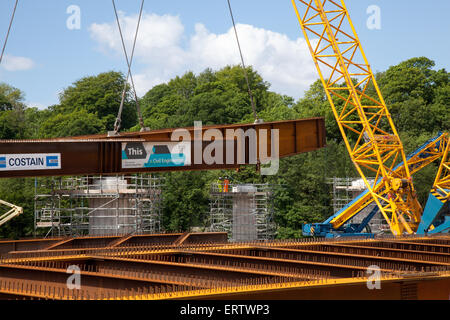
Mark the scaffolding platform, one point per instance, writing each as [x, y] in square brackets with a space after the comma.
[98, 205]
[244, 211]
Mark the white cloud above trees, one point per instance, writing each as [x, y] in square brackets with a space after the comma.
[14, 63]
[164, 50]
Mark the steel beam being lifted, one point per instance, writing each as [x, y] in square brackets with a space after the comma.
[229, 146]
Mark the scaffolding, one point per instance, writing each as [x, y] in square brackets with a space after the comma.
[244, 211]
[98, 205]
[345, 190]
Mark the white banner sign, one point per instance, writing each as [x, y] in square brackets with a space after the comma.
[30, 161]
[155, 154]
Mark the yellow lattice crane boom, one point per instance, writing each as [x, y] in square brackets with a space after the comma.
[441, 186]
[360, 110]
[431, 151]
[436, 216]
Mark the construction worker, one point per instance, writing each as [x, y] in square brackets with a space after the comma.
[219, 184]
[226, 183]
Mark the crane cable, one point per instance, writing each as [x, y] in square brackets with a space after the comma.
[255, 115]
[129, 74]
[9, 29]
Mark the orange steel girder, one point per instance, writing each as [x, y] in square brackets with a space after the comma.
[102, 154]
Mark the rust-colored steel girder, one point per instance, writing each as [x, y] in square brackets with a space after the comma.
[103, 154]
[411, 245]
[72, 243]
[202, 266]
[356, 257]
[437, 256]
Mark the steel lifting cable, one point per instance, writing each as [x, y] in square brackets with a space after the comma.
[129, 74]
[255, 115]
[9, 29]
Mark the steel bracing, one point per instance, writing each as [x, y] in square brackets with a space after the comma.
[426, 154]
[441, 186]
[436, 217]
[360, 110]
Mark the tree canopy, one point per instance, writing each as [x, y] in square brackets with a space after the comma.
[90, 106]
[212, 97]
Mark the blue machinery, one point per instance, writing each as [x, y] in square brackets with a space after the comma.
[436, 215]
[369, 133]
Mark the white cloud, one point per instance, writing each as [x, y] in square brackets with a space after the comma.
[166, 51]
[285, 63]
[159, 36]
[13, 63]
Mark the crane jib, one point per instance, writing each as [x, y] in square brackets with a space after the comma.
[363, 118]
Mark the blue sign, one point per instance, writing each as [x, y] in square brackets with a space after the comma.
[52, 161]
[156, 154]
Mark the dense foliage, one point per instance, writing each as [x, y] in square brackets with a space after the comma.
[418, 97]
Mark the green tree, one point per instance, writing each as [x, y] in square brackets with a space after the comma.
[185, 200]
[13, 125]
[19, 192]
[211, 97]
[99, 95]
[417, 96]
[12, 113]
[10, 98]
[75, 123]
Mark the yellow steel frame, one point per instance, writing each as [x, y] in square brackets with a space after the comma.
[441, 186]
[433, 150]
[360, 110]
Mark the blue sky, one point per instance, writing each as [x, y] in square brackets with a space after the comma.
[44, 56]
